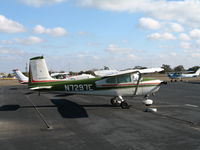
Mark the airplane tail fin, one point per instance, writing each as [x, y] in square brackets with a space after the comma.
[20, 76]
[38, 71]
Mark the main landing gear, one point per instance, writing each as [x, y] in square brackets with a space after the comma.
[119, 101]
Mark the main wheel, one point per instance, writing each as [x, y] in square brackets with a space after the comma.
[113, 101]
[124, 105]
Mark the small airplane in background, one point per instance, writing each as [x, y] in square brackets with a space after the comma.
[118, 85]
[20, 76]
[178, 75]
[66, 76]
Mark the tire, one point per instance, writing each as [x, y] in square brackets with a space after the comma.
[124, 105]
[113, 101]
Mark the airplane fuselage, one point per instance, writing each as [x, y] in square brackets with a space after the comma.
[95, 87]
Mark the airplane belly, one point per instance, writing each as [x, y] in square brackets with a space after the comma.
[149, 90]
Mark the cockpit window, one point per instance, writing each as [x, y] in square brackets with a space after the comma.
[124, 79]
[111, 80]
[119, 79]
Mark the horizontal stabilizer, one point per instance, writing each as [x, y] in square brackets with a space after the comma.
[41, 88]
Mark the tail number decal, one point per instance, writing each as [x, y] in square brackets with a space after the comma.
[78, 87]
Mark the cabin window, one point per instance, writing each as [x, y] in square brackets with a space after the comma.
[124, 79]
[111, 80]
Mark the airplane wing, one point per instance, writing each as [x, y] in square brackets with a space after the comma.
[103, 73]
[151, 70]
[142, 71]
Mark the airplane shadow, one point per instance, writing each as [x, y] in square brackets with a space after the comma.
[9, 107]
[13, 88]
[69, 109]
[196, 82]
[66, 108]
[63, 95]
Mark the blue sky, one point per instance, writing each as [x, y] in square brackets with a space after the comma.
[86, 34]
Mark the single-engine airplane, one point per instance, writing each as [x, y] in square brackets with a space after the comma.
[178, 75]
[20, 76]
[119, 85]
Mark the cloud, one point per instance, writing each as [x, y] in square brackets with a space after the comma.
[38, 3]
[173, 54]
[10, 51]
[184, 37]
[83, 33]
[185, 45]
[116, 49]
[161, 36]
[180, 11]
[10, 26]
[7, 42]
[149, 23]
[195, 33]
[198, 42]
[58, 31]
[195, 55]
[29, 41]
[177, 27]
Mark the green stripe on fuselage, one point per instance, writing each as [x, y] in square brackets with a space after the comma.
[84, 85]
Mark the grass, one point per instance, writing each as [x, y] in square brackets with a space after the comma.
[6, 82]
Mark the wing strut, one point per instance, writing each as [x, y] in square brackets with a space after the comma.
[138, 82]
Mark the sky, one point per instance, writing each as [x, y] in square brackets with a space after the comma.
[78, 35]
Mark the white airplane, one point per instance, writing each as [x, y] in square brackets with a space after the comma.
[66, 76]
[20, 76]
[122, 84]
[178, 75]
[59, 75]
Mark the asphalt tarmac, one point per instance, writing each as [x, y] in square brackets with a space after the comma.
[59, 122]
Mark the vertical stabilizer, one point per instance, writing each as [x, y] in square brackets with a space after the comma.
[20, 76]
[38, 70]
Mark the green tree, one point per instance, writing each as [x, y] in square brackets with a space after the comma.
[166, 68]
[179, 68]
[106, 68]
[139, 67]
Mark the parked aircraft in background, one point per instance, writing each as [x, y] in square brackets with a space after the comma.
[20, 76]
[118, 85]
[58, 75]
[66, 76]
[178, 75]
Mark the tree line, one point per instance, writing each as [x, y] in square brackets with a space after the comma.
[179, 68]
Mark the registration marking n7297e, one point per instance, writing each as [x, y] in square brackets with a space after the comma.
[78, 87]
